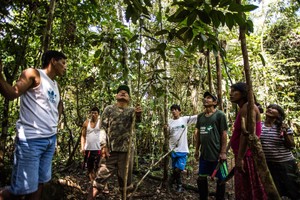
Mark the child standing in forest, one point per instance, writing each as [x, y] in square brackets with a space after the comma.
[40, 109]
[178, 143]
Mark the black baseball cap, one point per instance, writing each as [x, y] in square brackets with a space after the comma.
[210, 94]
[123, 87]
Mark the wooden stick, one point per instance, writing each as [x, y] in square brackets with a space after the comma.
[128, 156]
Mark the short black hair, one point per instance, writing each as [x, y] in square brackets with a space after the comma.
[48, 55]
[175, 107]
[95, 109]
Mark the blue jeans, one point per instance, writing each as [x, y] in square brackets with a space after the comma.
[32, 164]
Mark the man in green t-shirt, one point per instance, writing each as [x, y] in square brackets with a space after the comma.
[211, 133]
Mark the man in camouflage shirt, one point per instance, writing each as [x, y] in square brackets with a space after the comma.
[116, 122]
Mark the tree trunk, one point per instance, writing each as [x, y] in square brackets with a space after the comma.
[3, 139]
[209, 71]
[46, 38]
[253, 142]
[166, 139]
[165, 116]
[129, 152]
[219, 82]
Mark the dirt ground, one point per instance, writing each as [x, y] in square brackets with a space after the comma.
[73, 184]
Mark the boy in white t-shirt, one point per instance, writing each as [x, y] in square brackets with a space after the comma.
[178, 143]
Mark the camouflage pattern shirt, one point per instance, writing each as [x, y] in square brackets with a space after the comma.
[117, 124]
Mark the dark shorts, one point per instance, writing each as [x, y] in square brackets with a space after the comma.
[92, 158]
[206, 168]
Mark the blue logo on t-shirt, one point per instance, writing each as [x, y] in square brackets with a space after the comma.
[51, 96]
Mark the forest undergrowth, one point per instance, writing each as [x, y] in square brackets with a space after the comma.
[73, 183]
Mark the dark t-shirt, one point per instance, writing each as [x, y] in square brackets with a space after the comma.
[211, 129]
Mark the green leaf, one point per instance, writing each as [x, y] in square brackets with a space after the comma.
[215, 18]
[249, 26]
[145, 11]
[135, 16]
[148, 3]
[221, 17]
[137, 4]
[183, 14]
[179, 15]
[182, 30]
[224, 3]
[97, 53]
[176, 18]
[162, 32]
[191, 18]
[204, 17]
[170, 36]
[229, 20]
[163, 55]
[138, 56]
[248, 8]
[134, 38]
[238, 18]
[128, 13]
[162, 46]
[262, 59]
[234, 7]
[188, 35]
[127, 1]
[214, 3]
[207, 8]
[188, 3]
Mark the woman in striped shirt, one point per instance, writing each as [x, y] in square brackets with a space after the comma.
[277, 141]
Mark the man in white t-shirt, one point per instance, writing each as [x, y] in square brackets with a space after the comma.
[178, 143]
